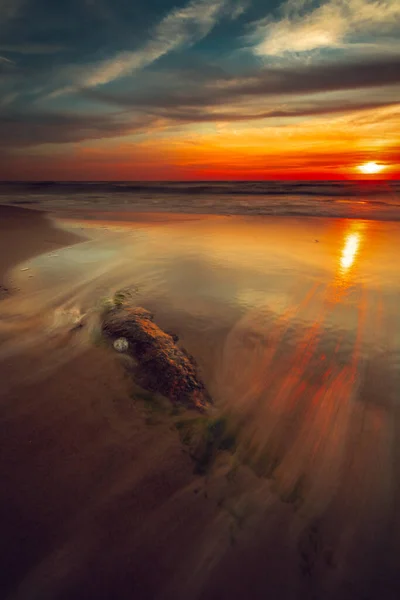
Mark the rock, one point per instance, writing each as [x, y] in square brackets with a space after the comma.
[163, 367]
[174, 336]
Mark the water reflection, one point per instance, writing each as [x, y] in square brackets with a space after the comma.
[353, 240]
[293, 342]
[350, 251]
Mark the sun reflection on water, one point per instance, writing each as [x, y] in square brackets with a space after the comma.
[351, 247]
[350, 251]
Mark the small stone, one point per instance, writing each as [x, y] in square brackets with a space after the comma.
[121, 344]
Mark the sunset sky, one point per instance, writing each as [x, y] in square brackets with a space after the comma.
[208, 89]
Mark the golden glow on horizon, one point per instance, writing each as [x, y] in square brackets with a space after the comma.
[371, 168]
[323, 148]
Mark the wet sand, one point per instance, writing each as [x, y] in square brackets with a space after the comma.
[25, 233]
[86, 481]
[98, 496]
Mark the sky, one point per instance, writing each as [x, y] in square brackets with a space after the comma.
[199, 90]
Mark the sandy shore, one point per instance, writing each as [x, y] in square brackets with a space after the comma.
[25, 233]
[99, 498]
[81, 471]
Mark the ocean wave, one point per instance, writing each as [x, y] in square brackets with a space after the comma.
[375, 200]
[236, 188]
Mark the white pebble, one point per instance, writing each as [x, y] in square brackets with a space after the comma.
[121, 344]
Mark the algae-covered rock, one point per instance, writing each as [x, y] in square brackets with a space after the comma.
[162, 366]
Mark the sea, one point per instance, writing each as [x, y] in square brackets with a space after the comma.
[364, 199]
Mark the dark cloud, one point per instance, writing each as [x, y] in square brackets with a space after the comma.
[19, 131]
[197, 104]
[268, 82]
[31, 48]
[327, 77]
[6, 67]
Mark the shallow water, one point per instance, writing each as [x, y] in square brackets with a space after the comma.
[295, 324]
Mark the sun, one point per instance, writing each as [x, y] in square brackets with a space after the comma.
[370, 168]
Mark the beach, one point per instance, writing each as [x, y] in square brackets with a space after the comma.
[294, 325]
[25, 233]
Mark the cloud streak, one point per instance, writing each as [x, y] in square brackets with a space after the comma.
[330, 25]
[285, 112]
[181, 27]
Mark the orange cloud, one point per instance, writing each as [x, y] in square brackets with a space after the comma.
[322, 148]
